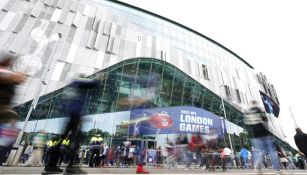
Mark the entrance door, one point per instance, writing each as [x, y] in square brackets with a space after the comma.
[143, 142]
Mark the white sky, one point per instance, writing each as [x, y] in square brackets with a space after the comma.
[270, 35]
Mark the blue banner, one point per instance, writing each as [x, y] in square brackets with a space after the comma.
[172, 120]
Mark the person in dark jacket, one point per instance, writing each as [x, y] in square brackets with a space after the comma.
[300, 139]
[73, 101]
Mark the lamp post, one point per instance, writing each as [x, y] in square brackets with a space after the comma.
[17, 150]
[229, 137]
[296, 126]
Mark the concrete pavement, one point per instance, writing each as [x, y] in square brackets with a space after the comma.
[38, 170]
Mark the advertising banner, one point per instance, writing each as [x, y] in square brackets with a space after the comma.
[152, 156]
[172, 120]
[270, 106]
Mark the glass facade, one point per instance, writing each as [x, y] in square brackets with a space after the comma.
[145, 82]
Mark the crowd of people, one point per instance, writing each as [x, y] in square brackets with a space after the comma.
[98, 154]
[183, 152]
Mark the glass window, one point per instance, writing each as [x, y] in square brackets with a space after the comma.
[208, 98]
[157, 70]
[198, 95]
[227, 92]
[177, 89]
[238, 96]
[217, 107]
[204, 71]
[125, 86]
[166, 86]
[189, 93]
[141, 87]
[111, 89]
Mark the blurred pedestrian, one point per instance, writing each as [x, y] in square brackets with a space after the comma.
[26, 154]
[117, 155]
[64, 151]
[226, 157]
[95, 149]
[104, 153]
[262, 140]
[282, 157]
[159, 155]
[8, 81]
[290, 159]
[195, 146]
[141, 162]
[300, 161]
[127, 145]
[52, 155]
[300, 139]
[244, 155]
[73, 100]
[111, 155]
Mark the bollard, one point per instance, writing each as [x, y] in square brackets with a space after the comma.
[14, 156]
[18, 155]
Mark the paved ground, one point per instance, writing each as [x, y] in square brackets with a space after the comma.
[38, 170]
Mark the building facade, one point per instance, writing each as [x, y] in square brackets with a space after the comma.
[141, 58]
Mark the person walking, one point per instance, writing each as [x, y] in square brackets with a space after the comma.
[52, 155]
[300, 139]
[111, 156]
[104, 153]
[262, 141]
[141, 162]
[194, 147]
[64, 151]
[117, 156]
[73, 101]
[8, 117]
[244, 155]
[26, 154]
[226, 157]
[95, 147]
[38, 143]
[282, 157]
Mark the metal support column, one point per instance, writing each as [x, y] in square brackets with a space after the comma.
[229, 137]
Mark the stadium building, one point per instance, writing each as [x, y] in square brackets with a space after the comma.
[158, 77]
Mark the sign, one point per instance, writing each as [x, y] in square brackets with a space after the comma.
[152, 156]
[172, 120]
[270, 106]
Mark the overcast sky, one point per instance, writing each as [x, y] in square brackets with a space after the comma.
[270, 35]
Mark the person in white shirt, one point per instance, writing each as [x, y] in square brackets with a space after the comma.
[226, 155]
[26, 154]
[105, 150]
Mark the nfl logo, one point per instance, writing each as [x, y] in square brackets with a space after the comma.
[164, 122]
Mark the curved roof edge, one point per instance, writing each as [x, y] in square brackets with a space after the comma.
[185, 27]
